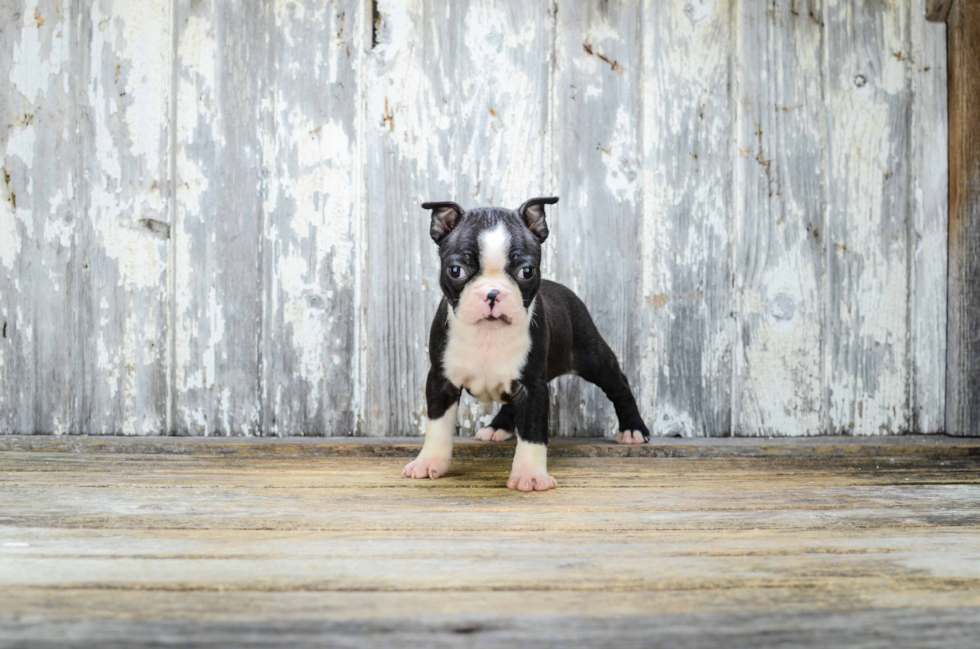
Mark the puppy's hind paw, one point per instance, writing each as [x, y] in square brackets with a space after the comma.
[493, 435]
[629, 437]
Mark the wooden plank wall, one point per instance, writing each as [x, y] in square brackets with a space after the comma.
[779, 255]
[688, 298]
[963, 385]
[211, 226]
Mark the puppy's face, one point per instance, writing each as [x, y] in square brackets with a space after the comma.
[490, 260]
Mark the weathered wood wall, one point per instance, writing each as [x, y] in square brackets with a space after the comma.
[211, 218]
[963, 374]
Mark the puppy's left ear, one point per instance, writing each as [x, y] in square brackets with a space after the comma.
[532, 211]
[445, 216]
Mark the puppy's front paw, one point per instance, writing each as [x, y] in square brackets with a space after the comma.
[489, 434]
[527, 479]
[629, 437]
[426, 467]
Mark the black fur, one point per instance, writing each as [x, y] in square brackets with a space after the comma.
[564, 339]
[461, 247]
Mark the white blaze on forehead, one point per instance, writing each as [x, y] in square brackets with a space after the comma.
[494, 246]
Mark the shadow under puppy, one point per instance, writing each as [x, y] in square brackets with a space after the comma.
[501, 333]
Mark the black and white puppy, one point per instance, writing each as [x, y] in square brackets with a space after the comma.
[501, 333]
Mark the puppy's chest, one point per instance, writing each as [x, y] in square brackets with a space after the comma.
[486, 363]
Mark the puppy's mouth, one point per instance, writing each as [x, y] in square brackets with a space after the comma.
[498, 318]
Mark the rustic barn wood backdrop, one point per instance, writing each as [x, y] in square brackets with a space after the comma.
[210, 220]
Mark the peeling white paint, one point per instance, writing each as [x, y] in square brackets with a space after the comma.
[868, 366]
[323, 190]
[671, 422]
[687, 126]
[10, 243]
[193, 185]
[21, 144]
[777, 379]
[140, 261]
[622, 180]
[930, 229]
[198, 72]
[730, 318]
[500, 108]
[35, 59]
[195, 104]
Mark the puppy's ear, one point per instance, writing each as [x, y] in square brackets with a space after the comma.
[532, 211]
[445, 216]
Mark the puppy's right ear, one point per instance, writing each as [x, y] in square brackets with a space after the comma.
[445, 216]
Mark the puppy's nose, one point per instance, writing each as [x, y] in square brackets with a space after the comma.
[492, 296]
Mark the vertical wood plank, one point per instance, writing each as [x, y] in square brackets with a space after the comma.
[935, 10]
[868, 215]
[687, 216]
[309, 141]
[410, 146]
[780, 186]
[39, 156]
[218, 299]
[963, 351]
[930, 209]
[120, 359]
[597, 224]
[501, 67]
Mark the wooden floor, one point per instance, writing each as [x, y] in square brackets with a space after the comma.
[763, 543]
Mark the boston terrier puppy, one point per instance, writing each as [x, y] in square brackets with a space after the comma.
[501, 333]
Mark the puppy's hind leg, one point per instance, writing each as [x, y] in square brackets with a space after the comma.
[598, 365]
[501, 428]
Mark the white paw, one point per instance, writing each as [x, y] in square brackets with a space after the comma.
[629, 437]
[527, 479]
[426, 467]
[490, 435]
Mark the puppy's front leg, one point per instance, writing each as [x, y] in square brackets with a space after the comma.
[442, 401]
[530, 470]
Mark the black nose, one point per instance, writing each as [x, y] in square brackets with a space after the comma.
[492, 296]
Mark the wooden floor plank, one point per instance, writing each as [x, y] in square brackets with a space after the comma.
[122, 544]
[465, 447]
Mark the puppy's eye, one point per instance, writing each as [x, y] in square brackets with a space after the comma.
[457, 272]
[527, 272]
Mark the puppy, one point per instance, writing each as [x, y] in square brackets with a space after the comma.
[501, 333]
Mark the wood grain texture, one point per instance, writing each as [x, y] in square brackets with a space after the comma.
[124, 213]
[937, 10]
[927, 447]
[410, 144]
[501, 68]
[310, 167]
[297, 620]
[782, 187]
[222, 69]
[928, 241]
[688, 119]
[963, 351]
[211, 218]
[597, 224]
[134, 548]
[869, 109]
[38, 216]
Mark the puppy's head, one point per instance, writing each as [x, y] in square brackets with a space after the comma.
[490, 259]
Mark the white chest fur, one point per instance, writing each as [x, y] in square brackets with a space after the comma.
[486, 360]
